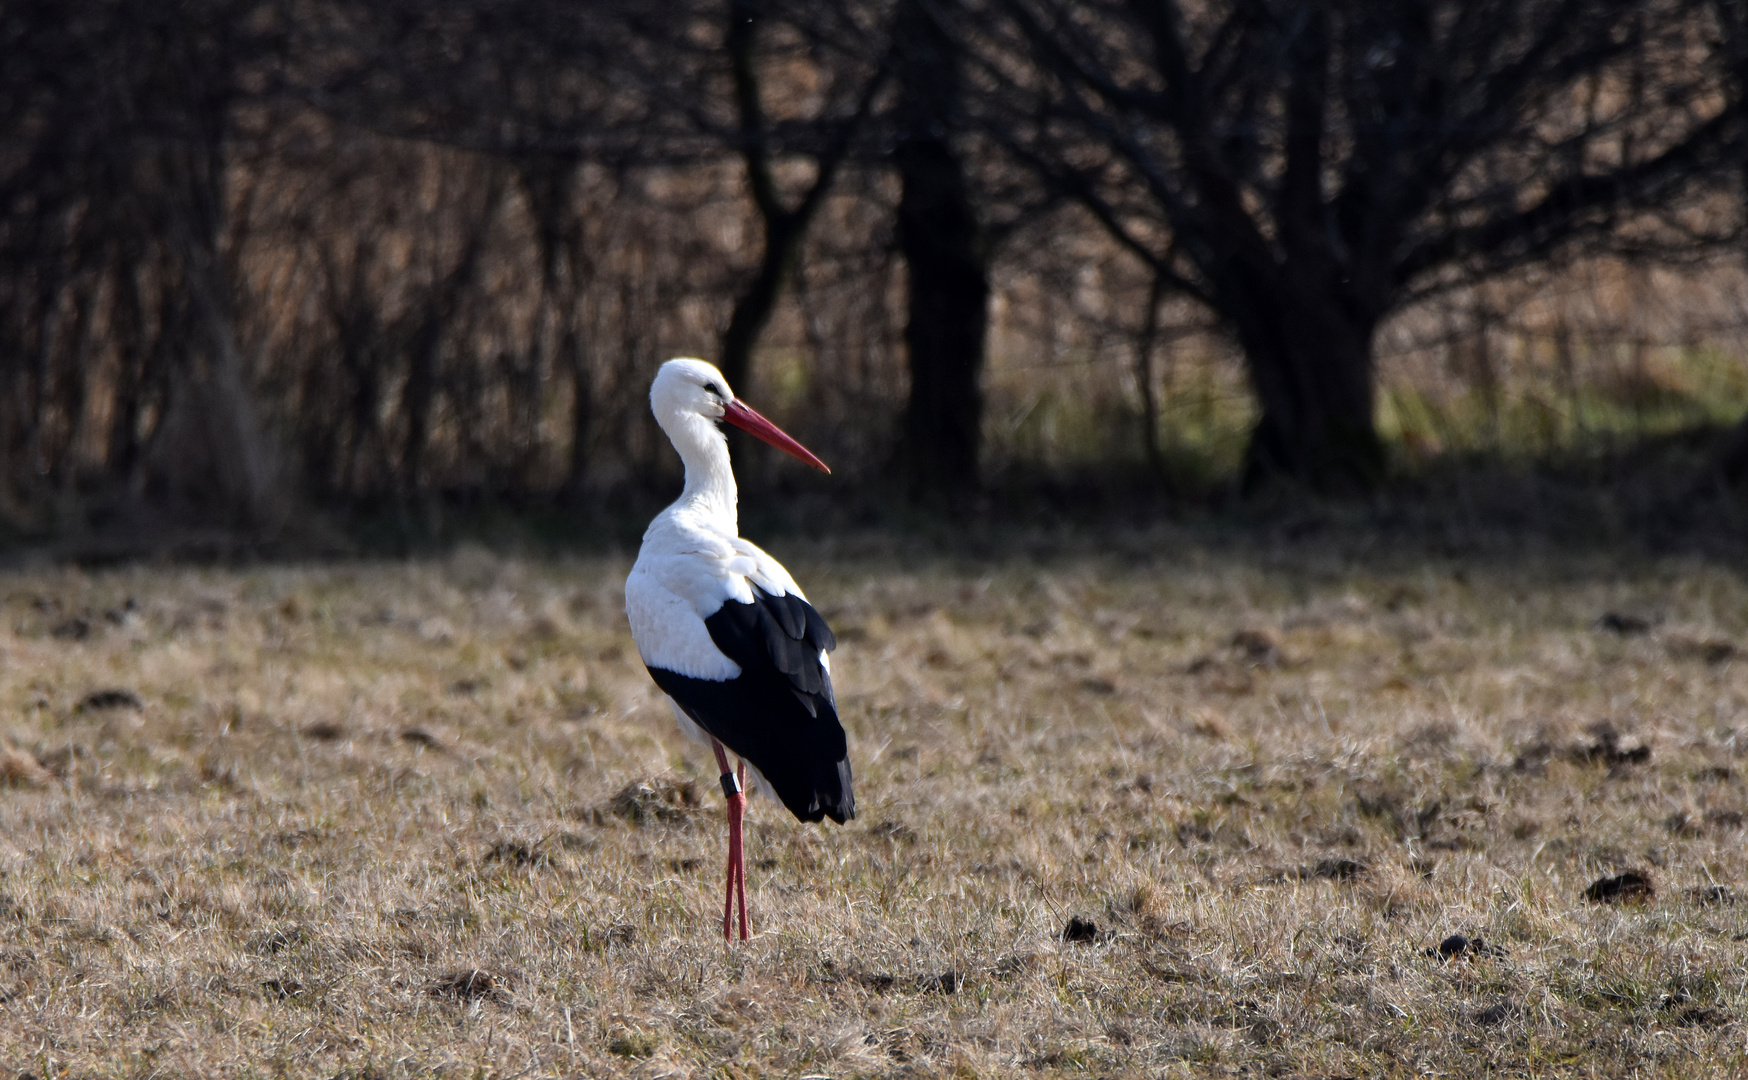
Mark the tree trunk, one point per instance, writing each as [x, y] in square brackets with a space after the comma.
[1144, 344]
[1731, 463]
[1310, 365]
[1306, 322]
[122, 446]
[942, 243]
[425, 355]
[582, 373]
[210, 453]
[213, 451]
[753, 308]
[949, 302]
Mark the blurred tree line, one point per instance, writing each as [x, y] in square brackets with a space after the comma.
[258, 252]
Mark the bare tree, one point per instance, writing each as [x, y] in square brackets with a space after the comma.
[827, 140]
[120, 125]
[1305, 169]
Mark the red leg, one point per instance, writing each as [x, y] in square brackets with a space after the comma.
[728, 899]
[733, 787]
[740, 854]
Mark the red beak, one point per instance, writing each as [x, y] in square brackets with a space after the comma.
[742, 416]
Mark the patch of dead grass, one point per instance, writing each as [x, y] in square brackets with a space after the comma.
[1184, 810]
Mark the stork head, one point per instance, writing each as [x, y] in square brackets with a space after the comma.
[687, 388]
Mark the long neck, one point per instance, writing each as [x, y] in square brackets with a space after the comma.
[709, 475]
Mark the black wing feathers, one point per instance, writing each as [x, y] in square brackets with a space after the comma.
[793, 634]
[779, 714]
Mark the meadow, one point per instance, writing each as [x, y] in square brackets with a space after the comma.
[1154, 804]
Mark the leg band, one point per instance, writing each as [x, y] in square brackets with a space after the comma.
[730, 784]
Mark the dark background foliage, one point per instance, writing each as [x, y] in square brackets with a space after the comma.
[263, 257]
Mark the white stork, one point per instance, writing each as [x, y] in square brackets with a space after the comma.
[725, 631]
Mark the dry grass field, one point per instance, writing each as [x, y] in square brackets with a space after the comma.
[431, 819]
